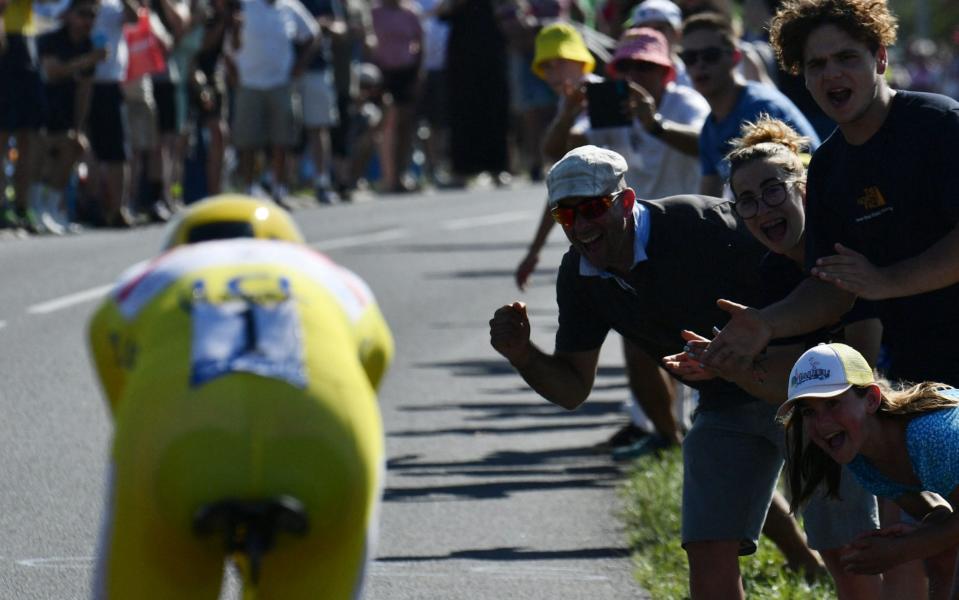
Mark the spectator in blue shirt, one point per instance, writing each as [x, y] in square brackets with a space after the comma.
[711, 54]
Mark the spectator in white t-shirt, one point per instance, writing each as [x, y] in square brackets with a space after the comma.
[107, 132]
[265, 112]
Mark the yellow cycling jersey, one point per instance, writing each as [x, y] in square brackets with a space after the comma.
[18, 18]
[240, 369]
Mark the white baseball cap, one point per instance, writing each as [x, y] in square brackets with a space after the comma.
[824, 371]
[656, 11]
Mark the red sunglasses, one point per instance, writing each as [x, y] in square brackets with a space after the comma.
[590, 209]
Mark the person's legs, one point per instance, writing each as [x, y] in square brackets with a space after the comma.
[714, 570]
[783, 530]
[108, 138]
[651, 391]
[387, 147]
[405, 128]
[320, 113]
[283, 129]
[140, 557]
[907, 580]
[214, 156]
[249, 131]
[731, 463]
[831, 523]
[941, 570]
[113, 185]
[25, 173]
[852, 586]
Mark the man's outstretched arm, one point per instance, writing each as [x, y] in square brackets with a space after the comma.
[565, 378]
[813, 304]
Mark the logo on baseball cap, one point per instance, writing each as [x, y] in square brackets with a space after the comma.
[824, 371]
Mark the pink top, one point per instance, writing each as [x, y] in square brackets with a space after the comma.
[399, 37]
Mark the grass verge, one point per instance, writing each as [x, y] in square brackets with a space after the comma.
[653, 493]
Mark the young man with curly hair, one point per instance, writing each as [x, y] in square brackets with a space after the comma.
[882, 204]
[883, 197]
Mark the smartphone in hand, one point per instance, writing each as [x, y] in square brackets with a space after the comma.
[605, 101]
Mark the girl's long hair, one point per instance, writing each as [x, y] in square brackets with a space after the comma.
[808, 466]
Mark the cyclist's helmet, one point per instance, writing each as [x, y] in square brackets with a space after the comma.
[231, 216]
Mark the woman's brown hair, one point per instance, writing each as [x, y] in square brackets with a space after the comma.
[772, 140]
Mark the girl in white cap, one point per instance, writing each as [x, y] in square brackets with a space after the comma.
[899, 444]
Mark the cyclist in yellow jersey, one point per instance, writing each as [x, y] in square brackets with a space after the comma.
[242, 369]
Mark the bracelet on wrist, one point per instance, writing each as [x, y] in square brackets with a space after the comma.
[656, 129]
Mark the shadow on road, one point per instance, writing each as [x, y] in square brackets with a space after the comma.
[500, 410]
[510, 554]
[491, 490]
[498, 472]
[482, 367]
[506, 430]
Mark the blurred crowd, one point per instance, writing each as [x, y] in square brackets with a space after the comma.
[118, 112]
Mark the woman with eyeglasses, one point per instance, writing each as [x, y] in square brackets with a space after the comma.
[767, 181]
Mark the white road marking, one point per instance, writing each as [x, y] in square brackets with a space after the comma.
[3, 324]
[69, 300]
[359, 240]
[497, 219]
[409, 569]
[65, 562]
[344, 242]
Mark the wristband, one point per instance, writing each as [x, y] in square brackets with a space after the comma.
[656, 129]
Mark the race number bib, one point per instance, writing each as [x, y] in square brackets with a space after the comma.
[252, 332]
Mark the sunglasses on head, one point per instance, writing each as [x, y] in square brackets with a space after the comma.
[592, 208]
[710, 56]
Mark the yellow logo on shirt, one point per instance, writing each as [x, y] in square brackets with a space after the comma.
[871, 199]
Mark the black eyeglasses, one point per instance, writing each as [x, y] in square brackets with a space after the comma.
[774, 194]
[710, 55]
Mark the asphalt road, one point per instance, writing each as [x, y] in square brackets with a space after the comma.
[491, 492]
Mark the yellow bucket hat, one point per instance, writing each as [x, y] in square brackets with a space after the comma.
[561, 40]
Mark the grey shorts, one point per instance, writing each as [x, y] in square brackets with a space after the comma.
[732, 458]
[317, 99]
[265, 118]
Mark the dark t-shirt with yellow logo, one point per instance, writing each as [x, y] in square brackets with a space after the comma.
[892, 198]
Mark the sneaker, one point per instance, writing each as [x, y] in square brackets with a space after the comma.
[29, 221]
[50, 224]
[159, 212]
[649, 444]
[279, 195]
[58, 214]
[627, 435]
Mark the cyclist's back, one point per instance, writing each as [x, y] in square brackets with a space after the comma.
[239, 370]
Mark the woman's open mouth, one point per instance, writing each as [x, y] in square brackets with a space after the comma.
[835, 440]
[775, 230]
